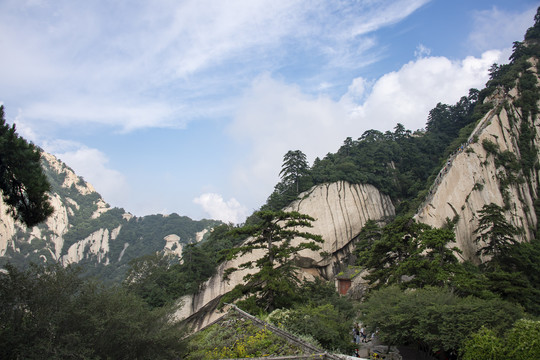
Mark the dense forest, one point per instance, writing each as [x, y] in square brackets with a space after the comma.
[420, 294]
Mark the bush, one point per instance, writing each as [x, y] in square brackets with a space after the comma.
[435, 317]
[322, 322]
[490, 147]
[522, 341]
[237, 338]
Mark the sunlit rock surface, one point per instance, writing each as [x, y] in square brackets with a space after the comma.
[340, 211]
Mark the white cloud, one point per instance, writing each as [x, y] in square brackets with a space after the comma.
[124, 116]
[406, 96]
[422, 51]
[24, 129]
[356, 92]
[274, 117]
[226, 211]
[377, 14]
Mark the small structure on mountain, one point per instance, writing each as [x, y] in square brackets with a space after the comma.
[344, 279]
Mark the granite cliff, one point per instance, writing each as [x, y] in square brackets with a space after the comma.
[84, 229]
[475, 175]
[340, 211]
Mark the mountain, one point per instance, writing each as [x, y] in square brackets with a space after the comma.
[482, 151]
[489, 169]
[85, 230]
[341, 209]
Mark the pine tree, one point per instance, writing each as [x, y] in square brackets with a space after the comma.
[494, 231]
[295, 166]
[275, 284]
[23, 183]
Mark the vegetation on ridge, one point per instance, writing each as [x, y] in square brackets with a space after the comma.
[401, 163]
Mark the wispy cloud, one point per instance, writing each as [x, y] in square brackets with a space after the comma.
[153, 65]
[495, 28]
[422, 51]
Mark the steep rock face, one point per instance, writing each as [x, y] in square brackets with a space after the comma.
[340, 210]
[55, 227]
[84, 228]
[7, 229]
[173, 244]
[70, 178]
[472, 178]
[58, 224]
[95, 245]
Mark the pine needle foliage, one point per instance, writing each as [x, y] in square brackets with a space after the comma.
[23, 184]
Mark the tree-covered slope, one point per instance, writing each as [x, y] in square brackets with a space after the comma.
[399, 162]
[85, 230]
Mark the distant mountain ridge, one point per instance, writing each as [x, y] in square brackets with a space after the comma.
[85, 230]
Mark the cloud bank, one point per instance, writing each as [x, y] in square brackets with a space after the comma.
[230, 211]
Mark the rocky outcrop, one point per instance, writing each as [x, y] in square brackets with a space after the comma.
[473, 178]
[340, 211]
[7, 229]
[58, 224]
[96, 245]
[83, 227]
[173, 245]
[70, 178]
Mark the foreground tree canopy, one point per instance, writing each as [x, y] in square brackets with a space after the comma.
[408, 253]
[494, 231]
[50, 313]
[522, 341]
[23, 184]
[435, 318]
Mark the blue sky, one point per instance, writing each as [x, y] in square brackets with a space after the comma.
[189, 106]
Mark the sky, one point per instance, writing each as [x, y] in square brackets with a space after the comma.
[188, 107]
